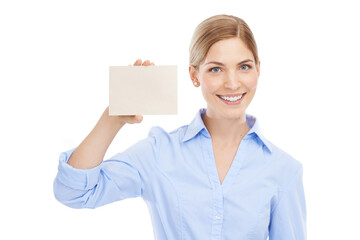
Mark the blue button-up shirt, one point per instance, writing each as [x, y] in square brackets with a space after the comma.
[175, 173]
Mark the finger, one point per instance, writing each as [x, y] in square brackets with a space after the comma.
[133, 118]
[138, 62]
[139, 118]
[152, 64]
[146, 63]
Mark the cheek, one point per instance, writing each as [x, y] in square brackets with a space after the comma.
[210, 85]
[251, 82]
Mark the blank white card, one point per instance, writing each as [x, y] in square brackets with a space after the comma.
[143, 90]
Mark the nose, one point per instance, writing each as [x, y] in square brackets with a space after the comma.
[232, 81]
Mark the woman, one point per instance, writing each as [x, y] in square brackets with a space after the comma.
[216, 178]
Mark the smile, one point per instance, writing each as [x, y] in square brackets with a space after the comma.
[231, 99]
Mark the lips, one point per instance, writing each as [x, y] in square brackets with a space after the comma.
[231, 95]
[231, 99]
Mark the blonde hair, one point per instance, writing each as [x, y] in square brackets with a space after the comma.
[216, 28]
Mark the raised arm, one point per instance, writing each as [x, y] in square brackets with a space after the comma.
[91, 151]
[85, 181]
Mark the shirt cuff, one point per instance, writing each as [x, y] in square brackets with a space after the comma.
[79, 179]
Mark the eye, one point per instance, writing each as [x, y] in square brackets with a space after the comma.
[217, 69]
[248, 67]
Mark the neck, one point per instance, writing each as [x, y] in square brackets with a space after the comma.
[226, 131]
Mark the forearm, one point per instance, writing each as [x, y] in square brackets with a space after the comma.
[90, 153]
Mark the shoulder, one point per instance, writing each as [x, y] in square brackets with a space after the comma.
[283, 158]
[285, 167]
[161, 135]
[157, 137]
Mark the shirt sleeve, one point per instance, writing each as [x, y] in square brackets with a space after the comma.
[288, 218]
[115, 179]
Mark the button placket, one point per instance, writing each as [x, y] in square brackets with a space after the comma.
[218, 197]
[218, 212]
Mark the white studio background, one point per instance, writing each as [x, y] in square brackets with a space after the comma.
[54, 61]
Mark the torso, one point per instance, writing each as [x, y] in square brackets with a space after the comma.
[224, 157]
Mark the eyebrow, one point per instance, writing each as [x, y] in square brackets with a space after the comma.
[221, 64]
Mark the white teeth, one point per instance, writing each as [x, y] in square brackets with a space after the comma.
[232, 99]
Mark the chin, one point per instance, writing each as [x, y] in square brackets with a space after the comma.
[219, 110]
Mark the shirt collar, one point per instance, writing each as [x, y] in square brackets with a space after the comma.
[197, 125]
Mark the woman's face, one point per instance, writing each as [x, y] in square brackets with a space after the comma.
[228, 70]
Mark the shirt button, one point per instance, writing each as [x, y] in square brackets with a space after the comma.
[218, 217]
